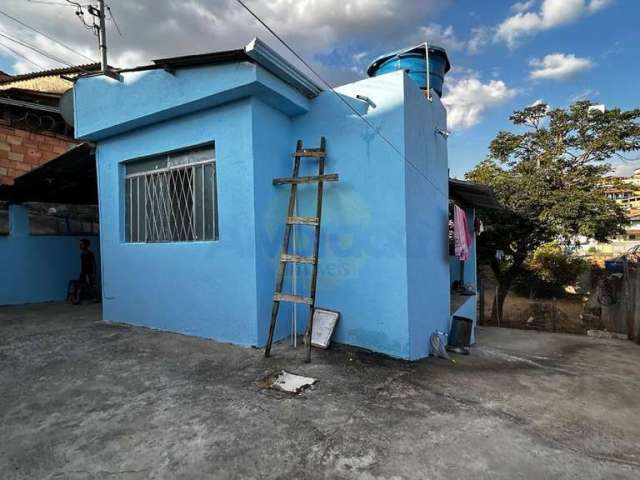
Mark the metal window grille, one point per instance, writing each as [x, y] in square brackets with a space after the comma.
[172, 197]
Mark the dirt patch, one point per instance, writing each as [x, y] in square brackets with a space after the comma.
[561, 315]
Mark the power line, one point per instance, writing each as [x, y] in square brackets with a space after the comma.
[375, 130]
[59, 4]
[15, 52]
[35, 49]
[47, 36]
[114, 20]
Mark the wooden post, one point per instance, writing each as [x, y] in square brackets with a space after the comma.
[480, 301]
[497, 300]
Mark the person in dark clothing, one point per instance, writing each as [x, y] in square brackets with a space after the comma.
[87, 277]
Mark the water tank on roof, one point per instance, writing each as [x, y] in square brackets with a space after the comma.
[414, 62]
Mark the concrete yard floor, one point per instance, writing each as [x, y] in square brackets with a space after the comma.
[84, 399]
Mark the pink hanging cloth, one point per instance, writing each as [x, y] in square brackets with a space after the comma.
[461, 234]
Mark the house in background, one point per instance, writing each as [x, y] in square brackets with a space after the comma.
[32, 130]
[48, 191]
[191, 225]
[625, 191]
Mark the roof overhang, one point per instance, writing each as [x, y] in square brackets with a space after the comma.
[472, 194]
[69, 178]
[257, 52]
[177, 86]
[271, 61]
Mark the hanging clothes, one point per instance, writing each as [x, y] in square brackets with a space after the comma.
[461, 234]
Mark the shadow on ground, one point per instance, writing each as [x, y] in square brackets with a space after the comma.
[80, 398]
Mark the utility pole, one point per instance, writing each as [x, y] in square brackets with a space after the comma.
[102, 38]
[101, 28]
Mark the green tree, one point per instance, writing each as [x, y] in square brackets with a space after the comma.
[548, 176]
[551, 266]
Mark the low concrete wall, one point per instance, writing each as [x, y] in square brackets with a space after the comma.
[37, 268]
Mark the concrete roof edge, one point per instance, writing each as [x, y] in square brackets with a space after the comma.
[269, 59]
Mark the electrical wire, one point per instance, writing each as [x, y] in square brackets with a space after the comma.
[35, 49]
[59, 4]
[42, 52]
[47, 36]
[365, 120]
[114, 20]
[15, 52]
[80, 15]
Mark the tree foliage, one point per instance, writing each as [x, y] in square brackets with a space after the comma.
[548, 175]
[552, 266]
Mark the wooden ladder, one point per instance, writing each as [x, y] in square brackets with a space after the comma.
[285, 256]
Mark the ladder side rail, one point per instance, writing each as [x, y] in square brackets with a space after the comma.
[285, 249]
[316, 250]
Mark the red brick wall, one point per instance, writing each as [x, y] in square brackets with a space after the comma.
[21, 151]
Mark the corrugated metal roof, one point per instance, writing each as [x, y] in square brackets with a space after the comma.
[88, 67]
[473, 194]
[225, 56]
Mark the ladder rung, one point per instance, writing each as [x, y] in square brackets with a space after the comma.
[303, 221]
[285, 297]
[311, 152]
[332, 177]
[297, 259]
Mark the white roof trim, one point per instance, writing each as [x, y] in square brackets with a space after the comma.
[265, 56]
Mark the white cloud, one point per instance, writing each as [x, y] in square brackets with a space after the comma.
[480, 36]
[596, 5]
[156, 29]
[439, 35]
[625, 169]
[520, 7]
[468, 100]
[585, 94]
[552, 13]
[558, 66]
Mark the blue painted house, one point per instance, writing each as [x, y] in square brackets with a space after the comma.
[191, 224]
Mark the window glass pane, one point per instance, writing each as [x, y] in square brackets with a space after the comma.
[127, 200]
[146, 165]
[197, 155]
[199, 204]
[135, 209]
[208, 201]
[175, 203]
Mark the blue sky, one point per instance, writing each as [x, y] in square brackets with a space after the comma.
[609, 38]
[505, 54]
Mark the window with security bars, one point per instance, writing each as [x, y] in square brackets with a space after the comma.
[172, 197]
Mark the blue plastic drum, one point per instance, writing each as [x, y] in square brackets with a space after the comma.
[413, 61]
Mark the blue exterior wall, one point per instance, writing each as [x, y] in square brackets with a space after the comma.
[427, 200]
[148, 97]
[272, 147]
[383, 261]
[37, 268]
[362, 268]
[199, 288]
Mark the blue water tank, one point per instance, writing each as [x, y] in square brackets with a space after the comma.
[414, 62]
